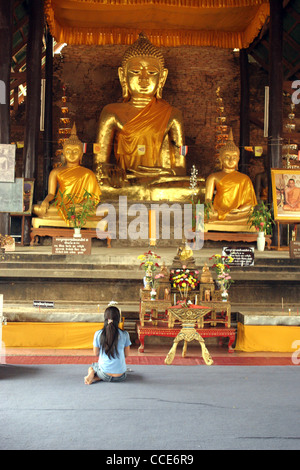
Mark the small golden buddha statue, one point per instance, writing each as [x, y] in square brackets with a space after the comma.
[70, 179]
[146, 130]
[206, 276]
[184, 257]
[235, 195]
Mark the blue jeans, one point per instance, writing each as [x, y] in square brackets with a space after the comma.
[105, 377]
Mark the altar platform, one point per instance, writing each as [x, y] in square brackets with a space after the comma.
[265, 298]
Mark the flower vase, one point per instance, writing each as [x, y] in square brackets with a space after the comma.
[224, 296]
[153, 294]
[147, 282]
[77, 233]
[261, 241]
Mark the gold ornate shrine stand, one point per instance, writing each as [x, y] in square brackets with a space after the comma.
[188, 317]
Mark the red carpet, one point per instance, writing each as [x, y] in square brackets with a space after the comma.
[229, 360]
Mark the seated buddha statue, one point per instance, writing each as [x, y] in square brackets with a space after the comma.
[230, 192]
[145, 130]
[70, 179]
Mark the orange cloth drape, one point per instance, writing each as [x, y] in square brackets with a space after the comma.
[219, 23]
[233, 191]
[147, 129]
[74, 182]
[67, 335]
[272, 338]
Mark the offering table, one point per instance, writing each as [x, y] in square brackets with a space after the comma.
[188, 316]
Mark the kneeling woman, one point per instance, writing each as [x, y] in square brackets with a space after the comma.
[112, 346]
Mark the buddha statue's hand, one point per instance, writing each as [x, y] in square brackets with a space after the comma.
[44, 208]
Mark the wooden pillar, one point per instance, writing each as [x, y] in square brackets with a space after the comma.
[244, 111]
[276, 89]
[33, 80]
[33, 99]
[6, 22]
[48, 131]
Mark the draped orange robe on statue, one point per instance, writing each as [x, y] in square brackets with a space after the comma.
[74, 181]
[233, 191]
[146, 129]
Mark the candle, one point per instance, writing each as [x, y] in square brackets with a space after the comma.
[174, 299]
[196, 299]
[289, 312]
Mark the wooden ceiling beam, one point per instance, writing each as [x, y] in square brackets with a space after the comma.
[294, 71]
[260, 61]
[291, 41]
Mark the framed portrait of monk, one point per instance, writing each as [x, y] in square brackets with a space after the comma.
[286, 194]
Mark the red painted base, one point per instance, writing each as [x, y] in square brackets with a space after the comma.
[221, 332]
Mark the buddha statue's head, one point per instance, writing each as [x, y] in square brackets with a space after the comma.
[229, 154]
[143, 72]
[73, 148]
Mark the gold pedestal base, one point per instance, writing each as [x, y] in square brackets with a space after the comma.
[187, 334]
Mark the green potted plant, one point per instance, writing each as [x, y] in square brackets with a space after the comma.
[77, 212]
[261, 218]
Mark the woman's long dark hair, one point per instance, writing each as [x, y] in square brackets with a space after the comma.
[110, 332]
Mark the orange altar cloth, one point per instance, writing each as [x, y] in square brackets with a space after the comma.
[69, 335]
[275, 338]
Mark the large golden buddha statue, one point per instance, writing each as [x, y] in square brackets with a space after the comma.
[231, 193]
[145, 131]
[70, 179]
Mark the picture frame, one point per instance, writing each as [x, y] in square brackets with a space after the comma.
[7, 163]
[286, 194]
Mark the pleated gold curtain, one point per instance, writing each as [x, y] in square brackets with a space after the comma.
[218, 23]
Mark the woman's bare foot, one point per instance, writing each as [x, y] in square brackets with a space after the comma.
[89, 379]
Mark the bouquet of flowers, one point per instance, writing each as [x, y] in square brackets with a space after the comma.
[149, 264]
[184, 280]
[222, 270]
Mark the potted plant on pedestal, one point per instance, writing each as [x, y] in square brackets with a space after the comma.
[77, 213]
[261, 218]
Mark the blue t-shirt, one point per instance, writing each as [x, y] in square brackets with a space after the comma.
[116, 365]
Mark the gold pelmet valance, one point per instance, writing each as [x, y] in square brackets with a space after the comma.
[219, 23]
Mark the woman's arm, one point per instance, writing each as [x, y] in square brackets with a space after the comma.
[96, 351]
[126, 351]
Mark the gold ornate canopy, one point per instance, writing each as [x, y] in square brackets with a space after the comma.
[219, 23]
